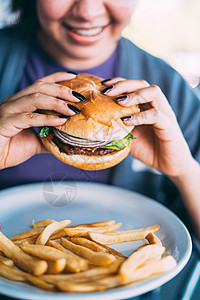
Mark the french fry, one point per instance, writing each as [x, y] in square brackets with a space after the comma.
[62, 233]
[95, 224]
[43, 223]
[39, 282]
[10, 273]
[56, 266]
[97, 258]
[153, 239]
[83, 263]
[1, 253]
[58, 235]
[52, 254]
[97, 247]
[29, 240]
[122, 236]
[80, 287]
[111, 281]
[113, 251]
[154, 267]
[138, 258]
[83, 231]
[87, 275]
[6, 261]
[18, 275]
[51, 229]
[46, 222]
[21, 259]
[26, 234]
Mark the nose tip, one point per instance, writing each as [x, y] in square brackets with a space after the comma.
[89, 10]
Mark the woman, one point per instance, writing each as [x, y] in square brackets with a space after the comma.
[84, 36]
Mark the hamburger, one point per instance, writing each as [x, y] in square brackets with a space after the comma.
[96, 138]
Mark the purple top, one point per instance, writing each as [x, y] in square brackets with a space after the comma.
[42, 167]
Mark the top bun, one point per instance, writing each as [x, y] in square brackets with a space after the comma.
[100, 116]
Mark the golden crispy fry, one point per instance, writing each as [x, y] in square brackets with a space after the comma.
[62, 233]
[122, 236]
[87, 275]
[18, 275]
[10, 273]
[112, 251]
[58, 235]
[153, 239]
[79, 287]
[39, 282]
[97, 258]
[97, 247]
[29, 240]
[43, 223]
[154, 267]
[26, 234]
[138, 258]
[56, 266]
[95, 224]
[83, 231]
[21, 259]
[111, 281]
[51, 229]
[6, 261]
[50, 253]
[83, 263]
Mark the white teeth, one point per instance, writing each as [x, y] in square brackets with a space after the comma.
[88, 32]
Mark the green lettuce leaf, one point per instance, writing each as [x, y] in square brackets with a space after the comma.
[45, 131]
[119, 144]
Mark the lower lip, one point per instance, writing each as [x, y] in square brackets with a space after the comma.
[87, 40]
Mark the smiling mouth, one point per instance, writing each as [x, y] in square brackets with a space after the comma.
[86, 32]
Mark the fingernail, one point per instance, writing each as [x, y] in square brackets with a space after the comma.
[38, 111]
[120, 98]
[107, 89]
[74, 109]
[105, 80]
[126, 118]
[63, 117]
[78, 95]
[71, 72]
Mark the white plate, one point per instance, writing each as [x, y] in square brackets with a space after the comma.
[86, 202]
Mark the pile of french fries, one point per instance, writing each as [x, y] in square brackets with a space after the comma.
[57, 257]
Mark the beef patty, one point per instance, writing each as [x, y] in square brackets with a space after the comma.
[71, 150]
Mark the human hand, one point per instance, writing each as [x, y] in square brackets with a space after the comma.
[18, 113]
[159, 140]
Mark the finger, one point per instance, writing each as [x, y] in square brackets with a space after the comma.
[151, 116]
[58, 76]
[152, 95]
[48, 86]
[144, 95]
[17, 122]
[34, 102]
[125, 86]
[50, 89]
[111, 81]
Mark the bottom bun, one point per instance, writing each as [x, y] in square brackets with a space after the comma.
[86, 162]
